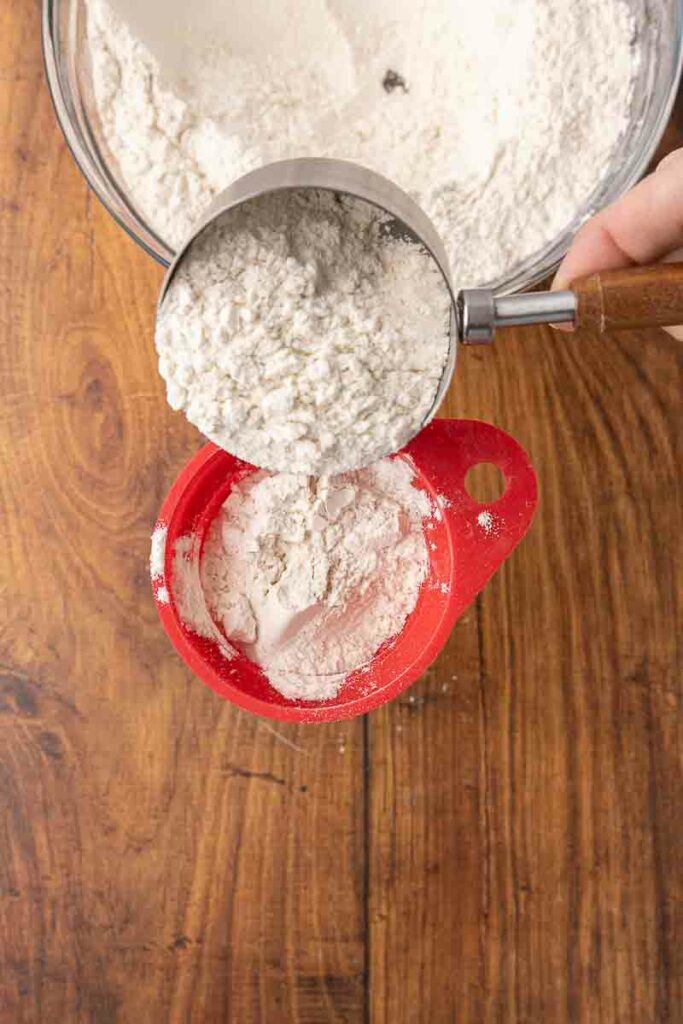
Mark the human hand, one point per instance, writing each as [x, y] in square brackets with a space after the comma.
[644, 226]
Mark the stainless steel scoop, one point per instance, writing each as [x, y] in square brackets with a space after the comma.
[643, 296]
[354, 182]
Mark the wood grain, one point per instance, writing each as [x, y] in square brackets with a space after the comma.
[631, 298]
[500, 845]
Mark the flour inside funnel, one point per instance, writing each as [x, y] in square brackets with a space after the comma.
[309, 578]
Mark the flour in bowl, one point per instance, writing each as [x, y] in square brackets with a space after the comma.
[309, 578]
[301, 335]
[499, 118]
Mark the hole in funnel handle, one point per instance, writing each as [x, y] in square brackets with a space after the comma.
[485, 483]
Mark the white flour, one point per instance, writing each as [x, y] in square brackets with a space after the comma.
[187, 588]
[310, 577]
[300, 338]
[188, 595]
[498, 117]
[487, 522]
[157, 555]
[157, 563]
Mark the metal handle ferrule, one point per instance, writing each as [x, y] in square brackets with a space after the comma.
[480, 311]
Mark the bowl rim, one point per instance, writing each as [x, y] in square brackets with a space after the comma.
[529, 273]
[79, 151]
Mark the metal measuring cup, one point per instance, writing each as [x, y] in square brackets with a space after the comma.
[352, 181]
[637, 297]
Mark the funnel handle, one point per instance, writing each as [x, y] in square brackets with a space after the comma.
[482, 534]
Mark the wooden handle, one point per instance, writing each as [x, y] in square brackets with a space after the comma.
[636, 297]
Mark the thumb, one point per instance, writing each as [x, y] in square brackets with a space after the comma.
[644, 226]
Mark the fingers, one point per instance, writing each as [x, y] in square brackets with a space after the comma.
[642, 227]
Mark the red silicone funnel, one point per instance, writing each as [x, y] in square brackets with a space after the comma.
[467, 544]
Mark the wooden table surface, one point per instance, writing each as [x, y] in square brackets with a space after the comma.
[501, 845]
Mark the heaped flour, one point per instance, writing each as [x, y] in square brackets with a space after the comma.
[303, 336]
[498, 117]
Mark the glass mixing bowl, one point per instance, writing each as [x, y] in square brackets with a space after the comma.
[659, 35]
